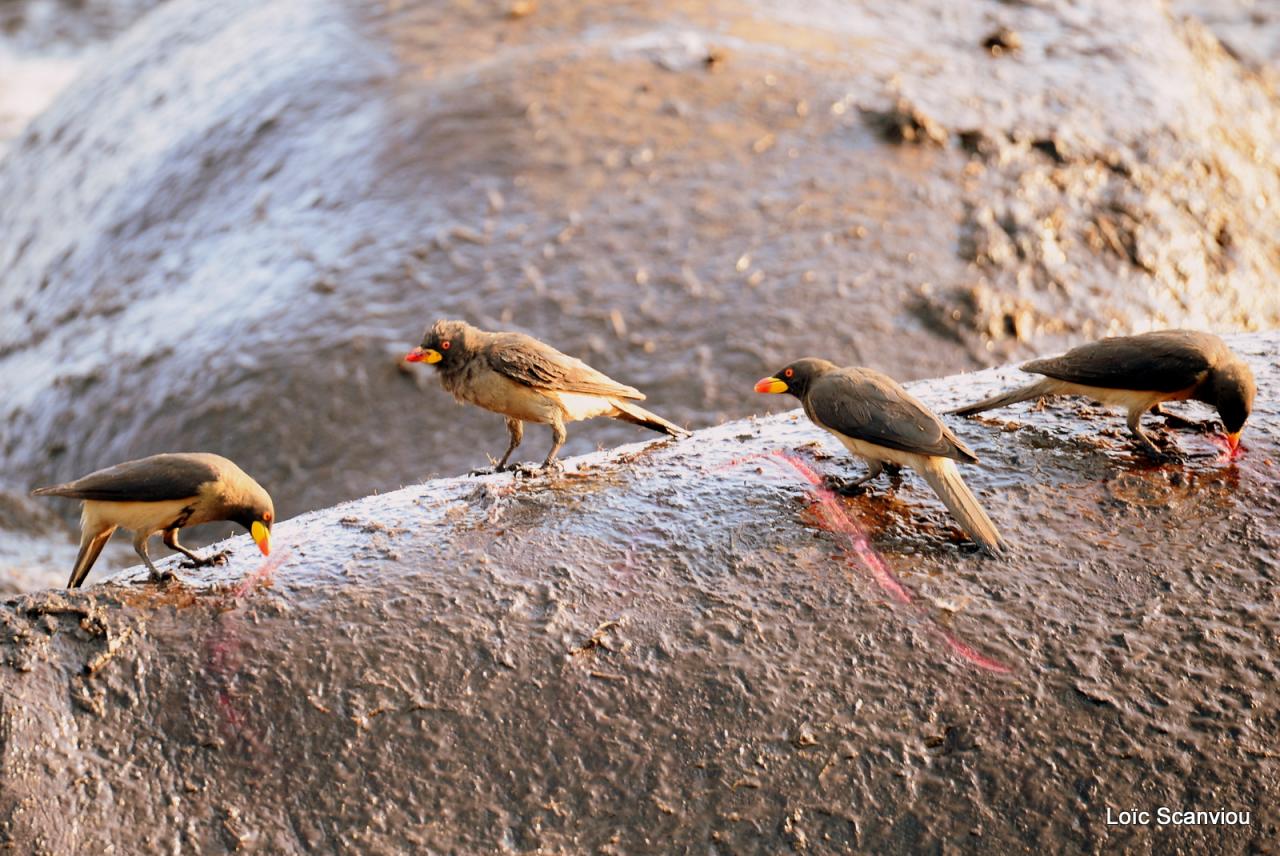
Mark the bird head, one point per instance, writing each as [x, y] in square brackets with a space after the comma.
[795, 378]
[257, 515]
[1233, 391]
[443, 344]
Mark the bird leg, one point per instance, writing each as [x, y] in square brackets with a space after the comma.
[140, 547]
[1135, 426]
[1173, 420]
[558, 436]
[171, 541]
[516, 429]
[853, 488]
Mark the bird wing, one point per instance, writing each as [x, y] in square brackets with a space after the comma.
[869, 406]
[1164, 361]
[154, 479]
[528, 361]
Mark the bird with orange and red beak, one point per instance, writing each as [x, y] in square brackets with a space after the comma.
[528, 381]
[162, 494]
[1140, 373]
[880, 422]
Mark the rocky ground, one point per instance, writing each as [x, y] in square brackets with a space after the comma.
[686, 647]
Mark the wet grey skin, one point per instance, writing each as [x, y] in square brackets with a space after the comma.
[880, 422]
[1141, 373]
[162, 494]
[528, 381]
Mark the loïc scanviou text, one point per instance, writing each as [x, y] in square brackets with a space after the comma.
[1165, 816]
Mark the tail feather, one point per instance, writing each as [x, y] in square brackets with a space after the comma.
[90, 547]
[1004, 399]
[629, 411]
[944, 478]
[52, 490]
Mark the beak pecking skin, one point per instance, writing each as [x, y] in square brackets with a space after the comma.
[262, 535]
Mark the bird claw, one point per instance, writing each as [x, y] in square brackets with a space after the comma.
[164, 576]
[524, 469]
[218, 558]
[1202, 426]
[1165, 456]
[842, 486]
[489, 471]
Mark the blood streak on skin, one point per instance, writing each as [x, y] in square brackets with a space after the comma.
[833, 518]
[222, 652]
[264, 571]
[1224, 446]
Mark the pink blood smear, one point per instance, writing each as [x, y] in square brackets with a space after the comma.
[831, 514]
[1224, 446]
[222, 655]
[264, 571]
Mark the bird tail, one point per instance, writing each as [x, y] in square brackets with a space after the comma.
[628, 411]
[1004, 399]
[90, 548]
[944, 478]
[52, 490]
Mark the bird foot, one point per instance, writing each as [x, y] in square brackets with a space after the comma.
[218, 558]
[843, 487]
[161, 577]
[489, 471]
[1200, 426]
[1165, 456]
[554, 466]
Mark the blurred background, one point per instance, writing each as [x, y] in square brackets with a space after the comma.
[222, 224]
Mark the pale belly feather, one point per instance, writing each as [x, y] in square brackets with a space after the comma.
[582, 406]
[1129, 399]
[134, 516]
[872, 452]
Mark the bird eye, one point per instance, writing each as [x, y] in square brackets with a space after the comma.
[789, 372]
[444, 346]
[266, 518]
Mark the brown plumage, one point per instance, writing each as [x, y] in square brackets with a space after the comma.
[1140, 373]
[163, 493]
[880, 422]
[528, 381]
